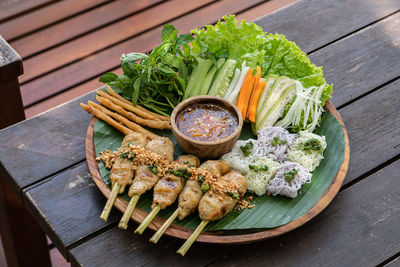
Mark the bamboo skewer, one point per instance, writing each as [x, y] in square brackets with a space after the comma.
[148, 220]
[185, 247]
[123, 223]
[110, 202]
[154, 239]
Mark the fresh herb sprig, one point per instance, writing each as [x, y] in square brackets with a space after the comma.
[159, 79]
[246, 149]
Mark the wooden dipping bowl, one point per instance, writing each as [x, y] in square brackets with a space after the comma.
[206, 149]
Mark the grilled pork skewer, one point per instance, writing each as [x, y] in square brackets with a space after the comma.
[145, 178]
[190, 196]
[121, 173]
[215, 205]
[166, 191]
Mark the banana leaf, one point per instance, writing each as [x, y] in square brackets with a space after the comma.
[269, 211]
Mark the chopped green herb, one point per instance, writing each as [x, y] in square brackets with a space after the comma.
[289, 175]
[312, 144]
[258, 168]
[233, 195]
[200, 179]
[188, 163]
[276, 141]
[205, 187]
[246, 149]
[127, 155]
[153, 168]
[184, 173]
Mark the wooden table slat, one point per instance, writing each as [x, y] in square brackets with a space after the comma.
[315, 23]
[44, 144]
[373, 126]
[107, 36]
[70, 205]
[77, 26]
[106, 60]
[362, 61]
[45, 16]
[10, 9]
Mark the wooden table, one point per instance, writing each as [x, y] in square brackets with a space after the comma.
[358, 43]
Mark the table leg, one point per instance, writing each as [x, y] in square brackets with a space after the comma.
[24, 242]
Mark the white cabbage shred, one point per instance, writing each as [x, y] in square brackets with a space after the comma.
[307, 102]
[279, 184]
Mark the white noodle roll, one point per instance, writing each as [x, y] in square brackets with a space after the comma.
[266, 147]
[257, 180]
[309, 159]
[280, 185]
[236, 159]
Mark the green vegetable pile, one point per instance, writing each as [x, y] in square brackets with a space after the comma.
[205, 61]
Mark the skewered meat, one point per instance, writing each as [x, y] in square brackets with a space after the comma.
[162, 145]
[168, 188]
[213, 206]
[121, 171]
[191, 194]
[145, 179]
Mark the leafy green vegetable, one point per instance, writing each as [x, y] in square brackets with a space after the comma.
[229, 39]
[158, 81]
[285, 58]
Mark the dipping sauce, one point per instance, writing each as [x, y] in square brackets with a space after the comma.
[206, 122]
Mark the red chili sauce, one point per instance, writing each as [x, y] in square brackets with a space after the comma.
[206, 122]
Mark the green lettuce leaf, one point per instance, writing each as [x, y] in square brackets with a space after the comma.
[285, 58]
[230, 39]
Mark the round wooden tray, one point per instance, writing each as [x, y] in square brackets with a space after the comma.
[224, 237]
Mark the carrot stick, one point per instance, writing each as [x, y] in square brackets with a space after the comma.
[246, 99]
[252, 112]
[243, 90]
[256, 82]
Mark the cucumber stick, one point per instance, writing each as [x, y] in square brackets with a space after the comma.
[205, 85]
[271, 106]
[223, 77]
[197, 77]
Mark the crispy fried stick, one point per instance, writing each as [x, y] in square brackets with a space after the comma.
[149, 123]
[99, 114]
[131, 125]
[114, 94]
[127, 106]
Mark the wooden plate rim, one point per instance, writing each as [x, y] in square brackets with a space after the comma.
[212, 237]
